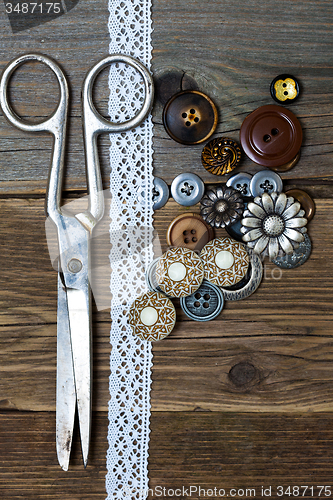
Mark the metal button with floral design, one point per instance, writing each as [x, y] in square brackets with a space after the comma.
[205, 304]
[221, 206]
[234, 230]
[249, 284]
[220, 156]
[271, 136]
[179, 272]
[189, 230]
[284, 89]
[225, 261]
[273, 225]
[297, 258]
[152, 316]
[187, 189]
[190, 117]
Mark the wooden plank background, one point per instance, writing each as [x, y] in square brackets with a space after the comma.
[245, 401]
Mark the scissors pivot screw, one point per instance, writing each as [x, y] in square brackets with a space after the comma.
[74, 266]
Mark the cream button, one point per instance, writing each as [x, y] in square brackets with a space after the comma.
[177, 271]
[224, 259]
[148, 316]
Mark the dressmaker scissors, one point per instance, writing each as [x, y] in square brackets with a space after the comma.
[74, 338]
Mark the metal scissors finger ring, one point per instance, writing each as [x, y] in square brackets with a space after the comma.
[74, 337]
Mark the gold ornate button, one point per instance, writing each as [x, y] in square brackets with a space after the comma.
[179, 272]
[220, 156]
[152, 316]
[225, 261]
[284, 89]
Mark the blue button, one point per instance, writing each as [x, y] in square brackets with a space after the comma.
[160, 193]
[187, 189]
[241, 182]
[265, 181]
[204, 304]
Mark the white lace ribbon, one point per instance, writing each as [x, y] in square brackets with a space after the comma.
[131, 233]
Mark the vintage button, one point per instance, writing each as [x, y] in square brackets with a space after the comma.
[179, 272]
[297, 258]
[225, 261]
[187, 189]
[189, 230]
[287, 166]
[241, 182]
[150, 276]
[152, 316]
[160, 193]
[221, 206]
[305, 200]
[265, 181]
[190, 117]
[220, 156]
[204, 304]
[271, 136]
[284, 89]
[249, 283]
[234, 230]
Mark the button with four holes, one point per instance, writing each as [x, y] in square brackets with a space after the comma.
[190, 117]
[190, 231]
[284, 89]
[187, 189]
[204, 304]
[265, 181]
[160, 193]
[271, 136]
[241, 182]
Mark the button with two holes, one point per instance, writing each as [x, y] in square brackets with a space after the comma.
[190, 117]
[187, 189]
[205, 304]
[284, 89]
[189, 230]
[265, 181]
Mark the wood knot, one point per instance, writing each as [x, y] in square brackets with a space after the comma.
[171, 83]
[242, 374]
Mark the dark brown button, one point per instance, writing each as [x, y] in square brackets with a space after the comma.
[271, 136]
[305, 200]
[190, 231]
[190, 117]
[220, 156]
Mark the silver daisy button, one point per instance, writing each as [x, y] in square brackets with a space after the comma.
[273, 224]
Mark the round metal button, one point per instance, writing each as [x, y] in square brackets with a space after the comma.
[204, 304]
[160, 193]
[220, 156]
[151, 276]
[152, 316]
[225, 261]
[284, 89]
[271, 136]
[297, 258]
[190, 117]
[241, 182]
[305, 200]
[190, 231]
[249, 283]
[179, 272]
[221, 206]
[187, 189]
[265, 181]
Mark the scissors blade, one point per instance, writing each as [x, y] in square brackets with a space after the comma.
[80, 331]
[66, 395]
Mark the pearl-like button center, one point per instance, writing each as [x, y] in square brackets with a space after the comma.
[224, 259]
[177, 271]
[148, 316]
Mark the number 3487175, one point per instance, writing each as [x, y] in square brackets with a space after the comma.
[33, 8]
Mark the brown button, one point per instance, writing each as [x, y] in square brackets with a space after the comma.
[190, 231]
[190, 117]
[220, 156]
[305, 200]
[271, 136]
[287, 166]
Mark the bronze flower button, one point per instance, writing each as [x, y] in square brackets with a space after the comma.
[221, 206]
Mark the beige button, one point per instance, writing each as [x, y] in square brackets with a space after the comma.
[189, 230]
[225, 261]
[179, 272]
[152, 316]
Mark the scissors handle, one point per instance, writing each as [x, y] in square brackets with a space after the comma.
[55, 124]
[94, 124]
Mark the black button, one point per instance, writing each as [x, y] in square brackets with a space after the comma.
[284, 89]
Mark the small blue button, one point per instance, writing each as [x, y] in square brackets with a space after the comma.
[187, 189]
[265, 181]
[160, 193]
[205, 304]
[241, 182]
